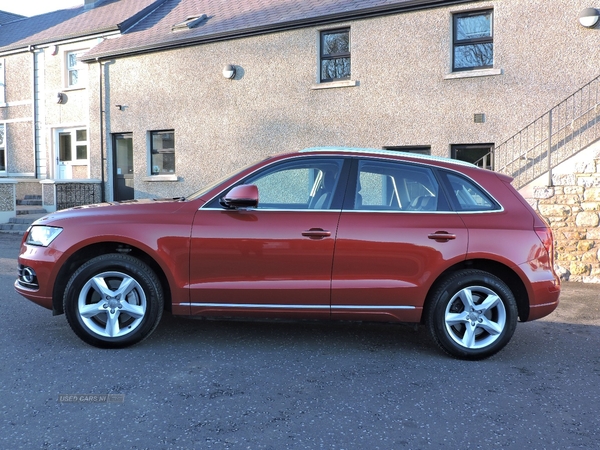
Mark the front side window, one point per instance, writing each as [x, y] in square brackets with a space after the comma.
[162, 152]
[307, 184]
[473, 46]
[76, 70]
[2, 148]
[335, 55]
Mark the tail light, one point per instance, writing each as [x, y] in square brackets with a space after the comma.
[545, 235]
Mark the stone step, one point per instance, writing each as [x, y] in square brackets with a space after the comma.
[30, 200]
[24, 210]
[20, 223]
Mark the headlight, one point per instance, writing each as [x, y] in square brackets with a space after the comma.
[42, 235]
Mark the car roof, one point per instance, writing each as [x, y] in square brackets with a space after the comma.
[382, 152]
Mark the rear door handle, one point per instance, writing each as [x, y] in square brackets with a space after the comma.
[441, 236]
[316, 233]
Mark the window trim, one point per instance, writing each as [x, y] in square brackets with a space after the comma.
[464, 42]
[79, 66]
[323, 57]
[160, 176]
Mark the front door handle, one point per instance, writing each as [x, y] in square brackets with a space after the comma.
[316, 233]
[441, 236]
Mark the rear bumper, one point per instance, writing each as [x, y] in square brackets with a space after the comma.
[544, 299]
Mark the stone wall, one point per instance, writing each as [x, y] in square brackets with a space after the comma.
[572, 208]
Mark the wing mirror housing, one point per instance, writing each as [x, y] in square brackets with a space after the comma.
[243, 196]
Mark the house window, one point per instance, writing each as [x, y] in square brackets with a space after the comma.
[162, 150]
[481, 155]
[76, 70]
[335, 55]
[418, 149]
[473, 46]
[2, 149]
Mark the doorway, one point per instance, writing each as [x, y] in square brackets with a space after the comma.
[71, 154]
[123, 163]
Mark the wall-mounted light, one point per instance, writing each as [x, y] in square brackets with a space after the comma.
[60, 98]
[229, 71]
[589, 17]
[121, 107]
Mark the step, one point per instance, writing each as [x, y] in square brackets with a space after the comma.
[24, 210]
[20, 223]
[30, 200]
[14, 228]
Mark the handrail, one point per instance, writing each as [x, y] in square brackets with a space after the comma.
[556, 135]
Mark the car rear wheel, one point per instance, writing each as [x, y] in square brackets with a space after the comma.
[113, 301]
[472, 314]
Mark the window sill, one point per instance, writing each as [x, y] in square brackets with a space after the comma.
[161, 178]
[73, 88]
[474, 74]
[335, 84]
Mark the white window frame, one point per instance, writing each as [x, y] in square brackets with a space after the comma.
[80, 67]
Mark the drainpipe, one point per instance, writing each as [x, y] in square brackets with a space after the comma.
[31, 49]
[102, 158]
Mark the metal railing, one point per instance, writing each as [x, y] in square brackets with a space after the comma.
[69, 195]
[557, 135]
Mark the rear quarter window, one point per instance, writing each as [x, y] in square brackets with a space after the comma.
[466, 195]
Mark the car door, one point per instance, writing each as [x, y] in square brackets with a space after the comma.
[274, 259]
[396, 235]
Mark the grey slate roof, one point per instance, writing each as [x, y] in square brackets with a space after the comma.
[108, 15]
[227, 19]
[6, 17]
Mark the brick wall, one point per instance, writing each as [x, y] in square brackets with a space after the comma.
[572, 208]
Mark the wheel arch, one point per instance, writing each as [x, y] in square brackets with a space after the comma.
[502, 271]
[102, 248]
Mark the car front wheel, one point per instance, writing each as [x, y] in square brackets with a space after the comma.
[472, 314]
[113, 301]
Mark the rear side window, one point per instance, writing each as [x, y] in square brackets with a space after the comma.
[468, 196]
[393, 186]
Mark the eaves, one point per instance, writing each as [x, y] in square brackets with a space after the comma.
[99, 32]
[367, 13]
[21, 47]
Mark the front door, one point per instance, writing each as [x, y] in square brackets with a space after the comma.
[71, 154]
[123, 163]
[273, 260]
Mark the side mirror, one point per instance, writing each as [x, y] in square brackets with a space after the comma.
[243, 196]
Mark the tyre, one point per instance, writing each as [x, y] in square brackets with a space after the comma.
[472, 314]
[113, 301]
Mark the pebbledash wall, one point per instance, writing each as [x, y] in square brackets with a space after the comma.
[572, 208]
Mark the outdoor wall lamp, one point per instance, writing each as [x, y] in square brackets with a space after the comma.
[121, 107]
[589, 17]
[229, 71]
